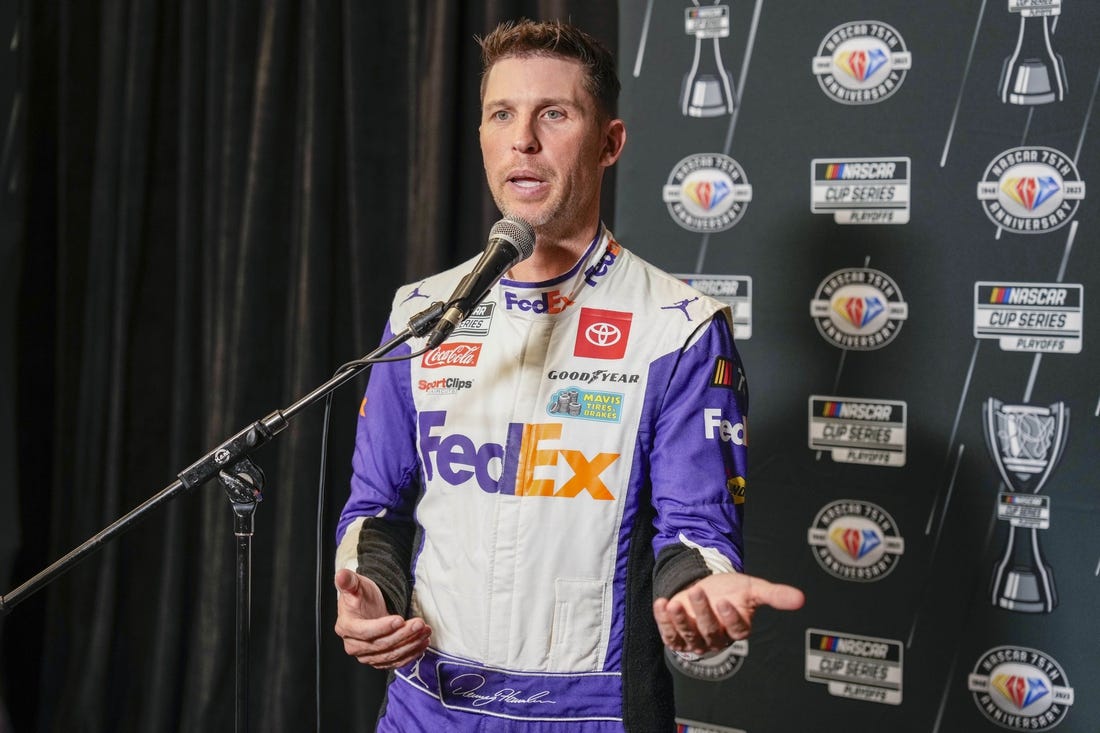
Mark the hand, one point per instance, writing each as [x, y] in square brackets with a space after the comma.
[371, 634]
[717, 610]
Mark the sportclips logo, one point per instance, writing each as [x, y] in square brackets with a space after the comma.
[532, 449]
[862, 62]
[1020, 688]
[1031, 190]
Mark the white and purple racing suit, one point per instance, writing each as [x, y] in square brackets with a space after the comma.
[575, 449]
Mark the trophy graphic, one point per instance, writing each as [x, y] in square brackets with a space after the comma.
[706, 90]
[1034, 73]
[1025, 442]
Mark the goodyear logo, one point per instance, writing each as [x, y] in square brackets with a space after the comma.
[519, 466]
[1033, 317]
[861, 190]
[586, 404]
[1020, 688]
[707, 192]
[858, 308]
[854, 666]
[1031, 190]
[862, 62]
[855, 541]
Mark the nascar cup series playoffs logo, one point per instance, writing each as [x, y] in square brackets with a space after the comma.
[855, 540]
[1031, 190]
[1020, 688]
[858, 308]
[707, 192]
[862, 62]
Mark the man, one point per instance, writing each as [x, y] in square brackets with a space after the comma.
[523, 493]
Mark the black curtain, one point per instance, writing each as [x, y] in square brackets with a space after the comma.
[210, 206]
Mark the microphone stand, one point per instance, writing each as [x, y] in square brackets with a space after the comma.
[243, 482]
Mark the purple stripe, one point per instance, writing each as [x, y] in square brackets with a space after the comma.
[518, 695]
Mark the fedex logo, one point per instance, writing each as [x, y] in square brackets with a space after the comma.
[600, 269]
[511, 468]
[552, 301]
[714, 425]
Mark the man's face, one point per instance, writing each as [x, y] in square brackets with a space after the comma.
[544, 145]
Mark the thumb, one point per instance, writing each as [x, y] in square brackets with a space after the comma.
[351, 586]
[777, 595]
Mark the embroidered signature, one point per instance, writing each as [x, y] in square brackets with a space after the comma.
[471, 689]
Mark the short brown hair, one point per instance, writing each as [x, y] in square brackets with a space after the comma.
[554, 38]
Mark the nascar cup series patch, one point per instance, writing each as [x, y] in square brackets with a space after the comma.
[859, 430]
[853, 666]
[1020, 688]
[862, 62]
[733, 290]
[707, 192]
[861, 190]
[858, 308]
[1035, 317]
[1031, 190]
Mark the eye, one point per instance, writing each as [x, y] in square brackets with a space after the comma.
[500, 115]
[554, 114]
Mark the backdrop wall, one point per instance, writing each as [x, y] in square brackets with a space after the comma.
[895, 199]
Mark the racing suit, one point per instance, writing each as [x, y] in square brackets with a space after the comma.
[575, 449]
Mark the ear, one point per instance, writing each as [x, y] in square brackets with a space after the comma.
[614, 139]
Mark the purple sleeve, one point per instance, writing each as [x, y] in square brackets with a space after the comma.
[385, 467]
[698, 459]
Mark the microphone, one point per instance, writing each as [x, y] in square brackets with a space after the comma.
[511, 240]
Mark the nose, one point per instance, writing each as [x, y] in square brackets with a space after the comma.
[526, 139]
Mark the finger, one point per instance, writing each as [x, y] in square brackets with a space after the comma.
[736, 624]
[399, 655]
[345, 581]
[664, 622]
[776, 595]
[711, 631]
[382, 636]
[684, 626]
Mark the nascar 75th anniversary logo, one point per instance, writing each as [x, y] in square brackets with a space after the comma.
[858, 308]
[1031, 190]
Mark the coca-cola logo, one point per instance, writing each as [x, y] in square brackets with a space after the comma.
[452, 355]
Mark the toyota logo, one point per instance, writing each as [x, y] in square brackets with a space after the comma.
[603, 334]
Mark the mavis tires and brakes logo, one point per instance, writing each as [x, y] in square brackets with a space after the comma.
[858, 308]
[707, 192]
[855, 540]
[1031, 190]
[1020, 688]
[862, 62]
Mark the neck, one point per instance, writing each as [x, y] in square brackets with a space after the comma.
[554, 254]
